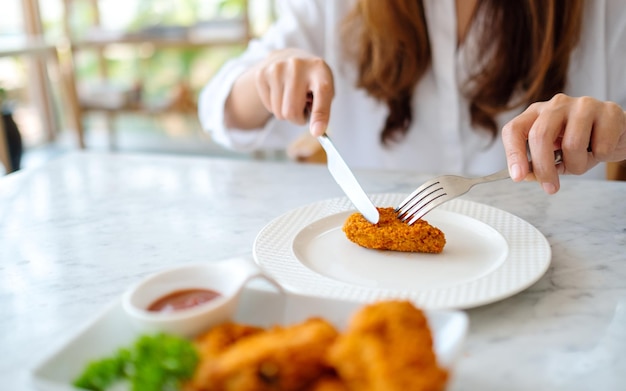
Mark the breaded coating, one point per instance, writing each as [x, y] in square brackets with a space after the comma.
[281, 358]
[217, 339]
[328, 383]
[388, 347]
[392, 234]
[214, 342]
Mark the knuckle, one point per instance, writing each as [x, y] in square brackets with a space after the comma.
[602, 151]
[587, 101]
[614, 111]
[274, 69]
[516, 156]
[260, 78]
[508, 130]
[574, 144]
[319, 62]
[512, 127]
[292, 113]
[560, 99]
[557, 105]
[534, 136]
[326, 88]
[537, 134]
[588, 106]
[536, 106]
[568, 146]
[294, 62]
[576, 169]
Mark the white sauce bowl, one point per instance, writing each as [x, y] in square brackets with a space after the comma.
[228, 278]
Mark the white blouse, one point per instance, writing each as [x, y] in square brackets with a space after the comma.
[441, 138]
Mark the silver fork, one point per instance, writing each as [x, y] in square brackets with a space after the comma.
[444, 188]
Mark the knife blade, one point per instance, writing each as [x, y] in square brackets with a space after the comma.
[346, 180]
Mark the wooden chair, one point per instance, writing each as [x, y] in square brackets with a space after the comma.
[40, 55]
[616, 171]
[306, 149]
[111, 99]
[5, 158]
[86, 103]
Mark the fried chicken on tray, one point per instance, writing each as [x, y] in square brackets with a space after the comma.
[387, 346]
[281, 358]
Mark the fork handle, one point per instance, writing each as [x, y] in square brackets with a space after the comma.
[504, 174]
[496, 176]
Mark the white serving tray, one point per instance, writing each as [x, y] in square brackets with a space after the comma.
[258, 305]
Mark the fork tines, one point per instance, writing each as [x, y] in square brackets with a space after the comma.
[420, 202]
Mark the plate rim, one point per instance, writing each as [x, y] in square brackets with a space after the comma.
[295, 276]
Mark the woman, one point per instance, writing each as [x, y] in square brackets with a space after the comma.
[428, 85]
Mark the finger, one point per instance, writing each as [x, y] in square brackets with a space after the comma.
[295, 98]
[542, 137]
[323, 92]
[263, 89]
[274, 76]
[608, 128]
[295, 90]
[514, 137]
[276, 99]
[577, 136]
[619, 154]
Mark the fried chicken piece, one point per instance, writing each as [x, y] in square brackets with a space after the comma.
[281, 358]
[392, 234]
[388, 347]
[214, 342]
[218, 338]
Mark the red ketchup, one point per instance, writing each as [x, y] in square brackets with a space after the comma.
[183, 299]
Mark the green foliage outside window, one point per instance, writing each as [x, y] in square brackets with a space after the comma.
[166, 67]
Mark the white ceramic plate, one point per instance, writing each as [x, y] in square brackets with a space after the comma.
[112, 329]
[489, 255]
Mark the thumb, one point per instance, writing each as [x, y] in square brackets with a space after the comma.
[319, 124]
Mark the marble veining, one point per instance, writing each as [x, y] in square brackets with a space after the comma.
[77, 232]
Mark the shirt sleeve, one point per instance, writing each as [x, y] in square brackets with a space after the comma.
[300, 24]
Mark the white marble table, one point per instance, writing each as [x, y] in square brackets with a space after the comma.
[75, 234]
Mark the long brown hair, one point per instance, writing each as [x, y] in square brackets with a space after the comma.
[527, 43]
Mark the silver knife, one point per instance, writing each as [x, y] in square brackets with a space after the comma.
[346, 180]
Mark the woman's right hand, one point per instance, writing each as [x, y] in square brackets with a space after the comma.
[290, 84]
[287, 79]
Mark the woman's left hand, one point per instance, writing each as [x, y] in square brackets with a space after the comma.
[573, 125]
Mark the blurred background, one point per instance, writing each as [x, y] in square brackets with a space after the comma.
[116, 74]
[123, 75]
